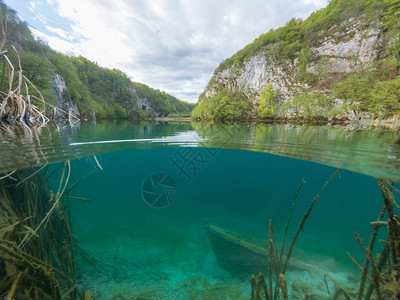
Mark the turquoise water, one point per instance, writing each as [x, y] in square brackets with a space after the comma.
[152, 248]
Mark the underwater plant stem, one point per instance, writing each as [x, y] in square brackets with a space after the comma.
[34, 262]
[285, 232]
[253, 283]
[396, 190]
[58, 196]
[393, 231]
[270, 255]
[97, 162]
[370, 248]
[8, 175]
[288, 220]
[283, 286]
[14, 285]
[33, 174]
[302, 222]
[57, 248]
[381, 262]
[375, 273]
[338, 286]
[262, 284]
[69, 291]
[354, 261]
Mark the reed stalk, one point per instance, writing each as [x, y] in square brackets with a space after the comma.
[276, 266]
[36, 245]
[16, 106]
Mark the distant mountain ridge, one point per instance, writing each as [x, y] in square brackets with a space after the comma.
[80, 86]
[343, 61]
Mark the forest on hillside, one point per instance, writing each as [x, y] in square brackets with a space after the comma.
[97, 92]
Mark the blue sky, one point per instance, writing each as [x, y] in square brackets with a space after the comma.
[171, 45]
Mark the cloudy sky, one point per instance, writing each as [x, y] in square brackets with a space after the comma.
[171, 45]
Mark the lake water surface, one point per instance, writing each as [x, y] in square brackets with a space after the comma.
[141, 205]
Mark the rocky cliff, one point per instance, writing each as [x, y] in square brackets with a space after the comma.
[63, 100]
[348, 67]
[349, 51]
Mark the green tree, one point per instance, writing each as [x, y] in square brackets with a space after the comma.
[266, 107]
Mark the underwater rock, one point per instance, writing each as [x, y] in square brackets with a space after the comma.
[300, 290]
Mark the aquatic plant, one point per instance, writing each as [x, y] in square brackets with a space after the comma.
[278, 262]
[382, 274]
[36, 244]
[37, 249]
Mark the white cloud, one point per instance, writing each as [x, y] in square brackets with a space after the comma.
[318, 3]
[172, 45]
[60, 32]
[57, 42]
[32, 6]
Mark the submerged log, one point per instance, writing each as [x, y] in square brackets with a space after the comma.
[243, 255]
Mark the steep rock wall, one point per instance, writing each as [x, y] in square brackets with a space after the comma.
[345, 51]
[63, 99]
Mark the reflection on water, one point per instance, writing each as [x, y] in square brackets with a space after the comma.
[374, 151]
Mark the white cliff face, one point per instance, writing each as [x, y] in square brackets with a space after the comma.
[256, 74]
[59, 86]
[351, 50]
[63, 99]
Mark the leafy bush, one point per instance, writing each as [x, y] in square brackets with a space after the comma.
[225, 106]
[266, 106]
[310, 105]
[368, 94]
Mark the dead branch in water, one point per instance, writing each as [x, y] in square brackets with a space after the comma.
[15, 105]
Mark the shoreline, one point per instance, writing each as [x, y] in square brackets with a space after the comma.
[180, 119]
[391, 123]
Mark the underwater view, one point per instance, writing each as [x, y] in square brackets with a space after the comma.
[200, 150]
[174, 210]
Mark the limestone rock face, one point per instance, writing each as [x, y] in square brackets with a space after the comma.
[63, 98]
[256, 74]
[350, 51]
[335, 54]
[145, 105]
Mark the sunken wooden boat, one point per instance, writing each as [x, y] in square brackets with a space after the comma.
[243, 255]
